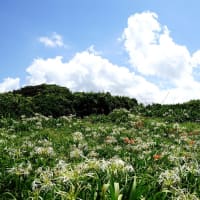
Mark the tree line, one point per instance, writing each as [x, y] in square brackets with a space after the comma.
[55, 101]
[181, 112]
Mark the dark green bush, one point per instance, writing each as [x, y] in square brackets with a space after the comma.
[53, 100]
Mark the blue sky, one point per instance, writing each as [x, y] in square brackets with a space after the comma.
[97, 53]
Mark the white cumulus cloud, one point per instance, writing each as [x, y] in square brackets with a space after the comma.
[55, 40]
[162, 70]
[152, 50]
[9, 84]
[87, 71]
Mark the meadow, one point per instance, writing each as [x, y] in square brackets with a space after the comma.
[121, 156]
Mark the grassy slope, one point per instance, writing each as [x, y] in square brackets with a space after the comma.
[99, 158]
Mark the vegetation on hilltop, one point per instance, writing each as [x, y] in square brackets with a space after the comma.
[53, 100]
[56, 101]
[189, 111]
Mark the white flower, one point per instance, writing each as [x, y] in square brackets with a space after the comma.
[93, 154]
[36, 184]
[44, 151]
[169, 177]
[110, 140]
[77, 136]
[117, 148]
[21, 169]
[76, 153]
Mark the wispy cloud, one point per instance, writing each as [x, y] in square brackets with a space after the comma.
[55, 40]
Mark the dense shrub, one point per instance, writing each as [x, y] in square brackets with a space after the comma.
[189, 111]
[58, 101]
[13, 105]
[119, 115]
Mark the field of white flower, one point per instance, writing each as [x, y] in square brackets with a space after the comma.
[121, 156]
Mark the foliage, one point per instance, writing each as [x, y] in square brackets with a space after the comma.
[12, 105]
[56, 101]
[189, 111]
[99, 158]
[119, 115]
